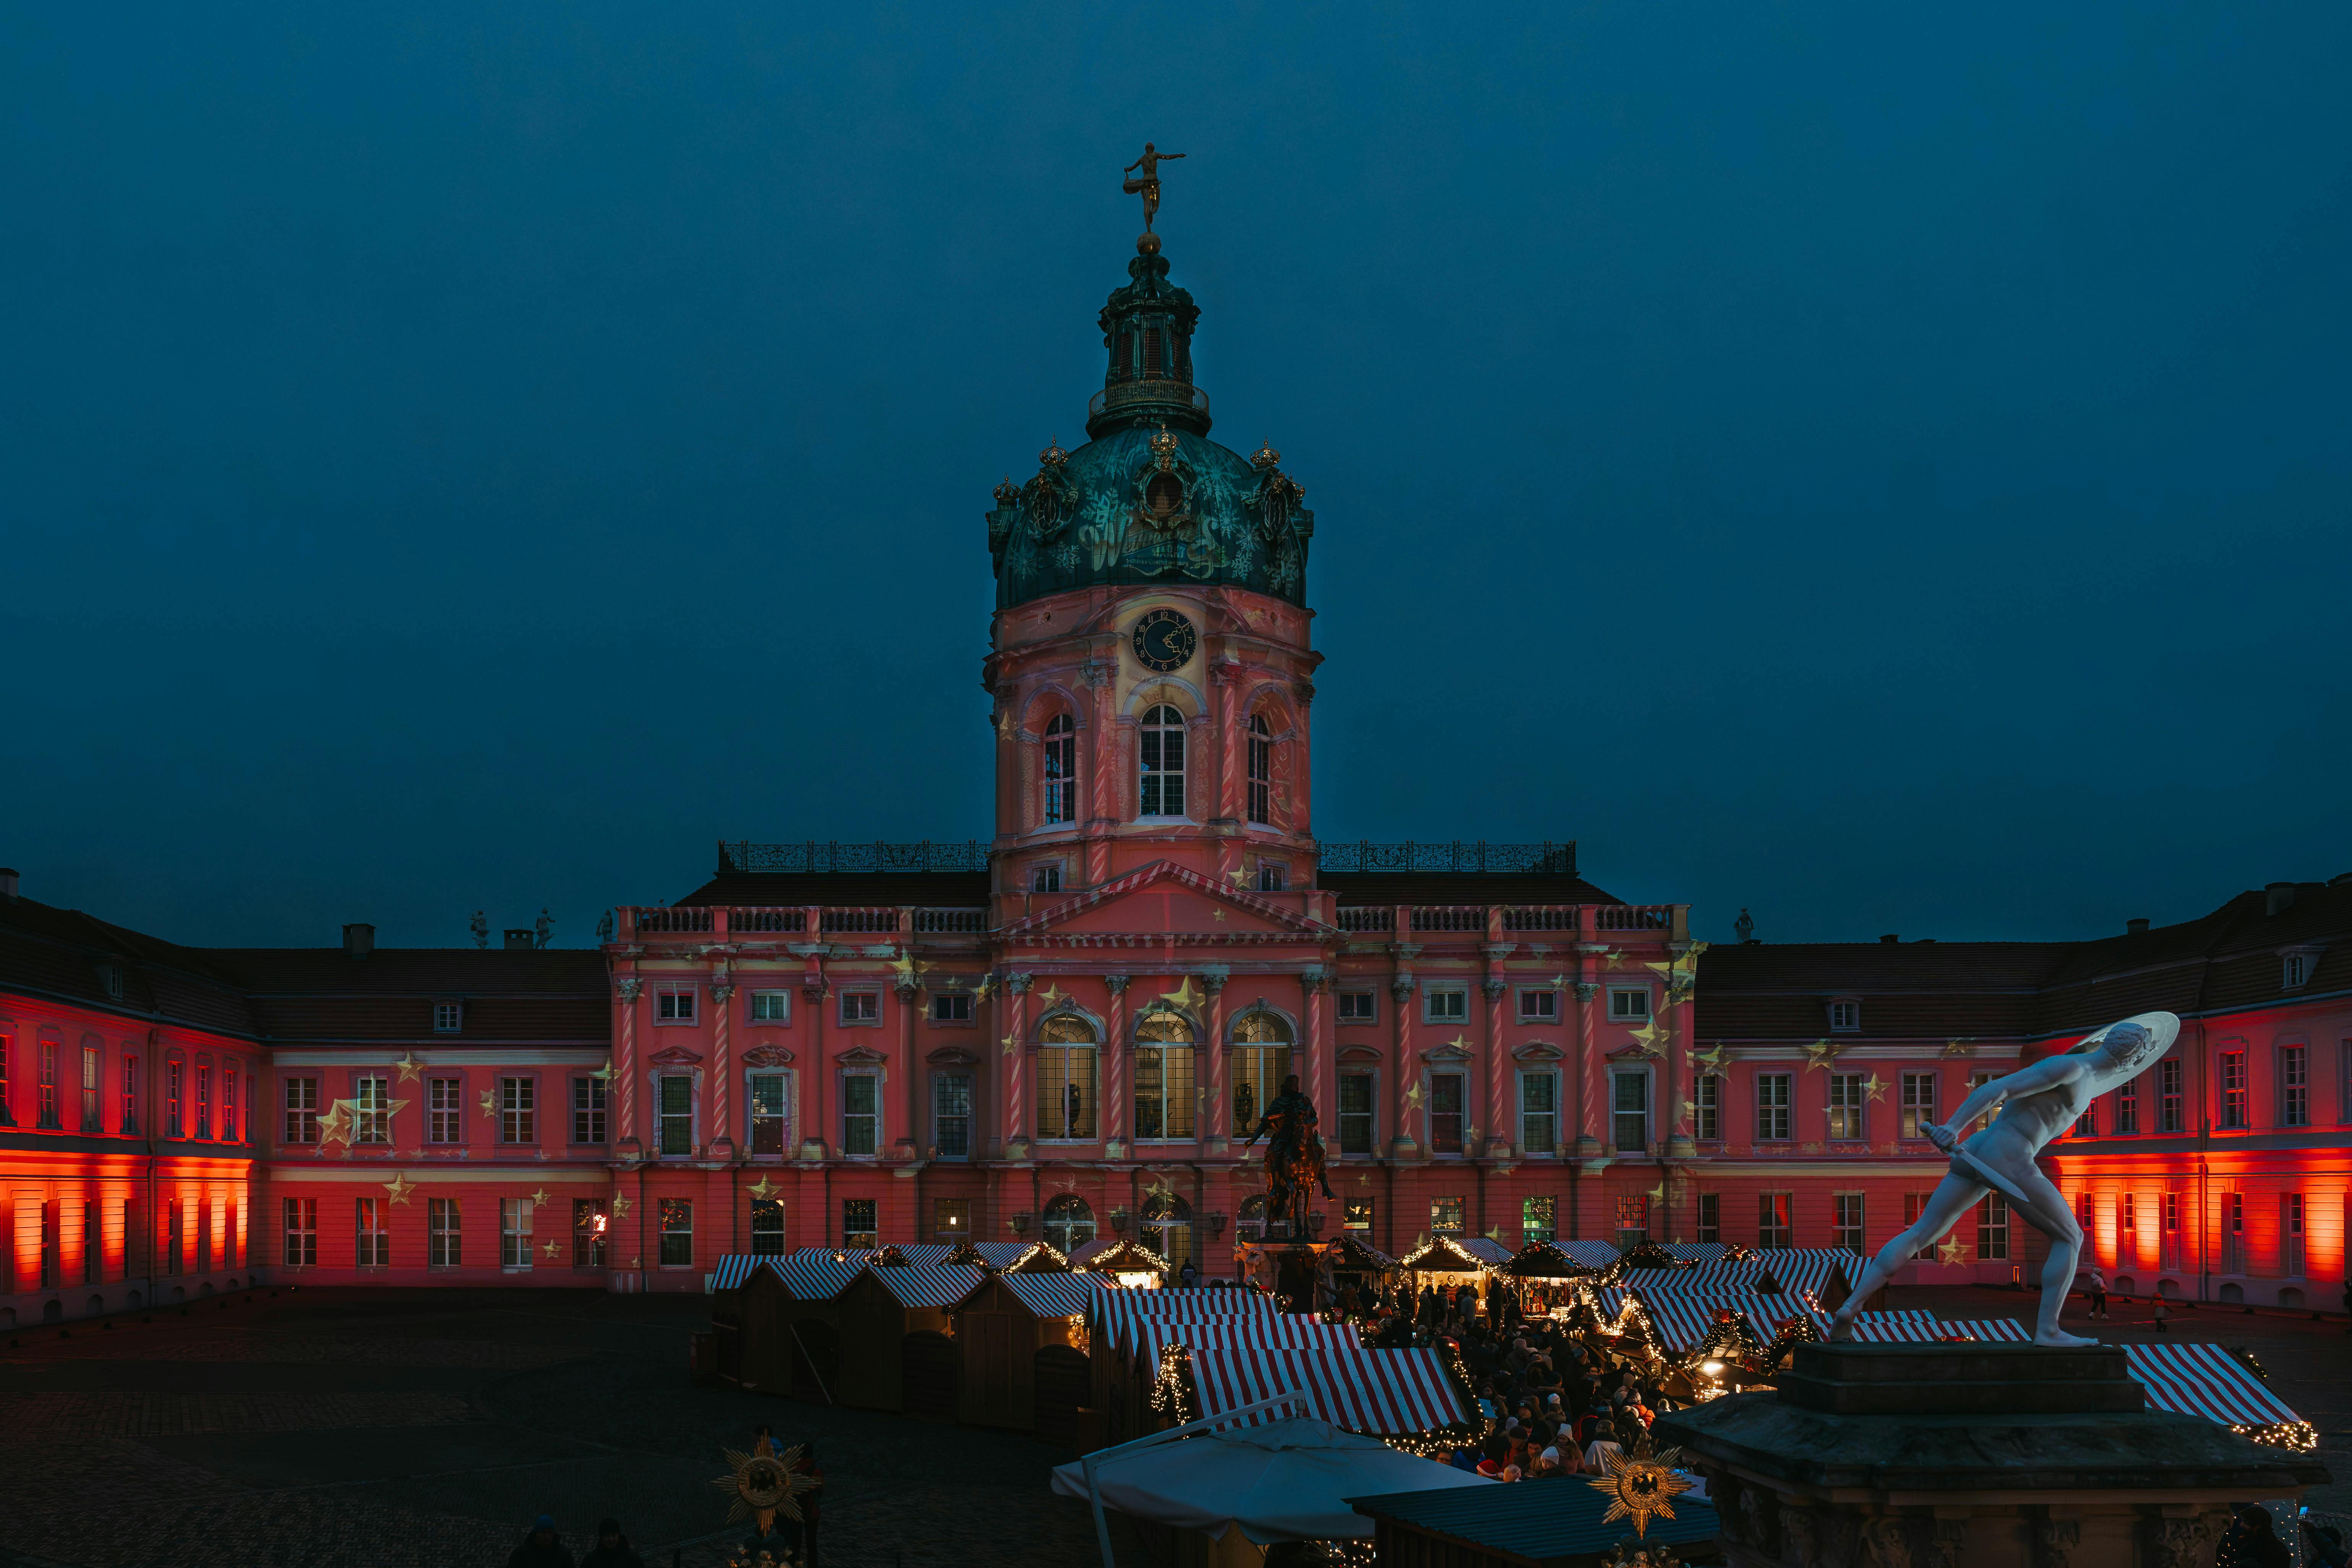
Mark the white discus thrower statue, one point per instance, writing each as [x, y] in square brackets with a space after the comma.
[2042, 1101]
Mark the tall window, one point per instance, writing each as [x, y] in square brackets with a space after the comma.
[1919, 1103]
[301, 1232]
[1845, 1222]
[172, 1122]
[1775, 1223]
[2233, 1233]
[2233, 1089]
[1538, 1219]
[90, 1113]
[2087, 1125]
[129, 1090]
[1629, 1100]
[2294, 1086]
[1772, 1107]
[1445, 1216]
[952, 1115]
[2128, 1229]
[1845, 1106]
[373, 1244]
[1914, 1205]
[1711, 1217]
[91, 1256]
[1164, 1079]
[1356, 1100]
[444, 1111]
[443, 1240]
[2168, 1095]
[588, 1110]
[2127, 1108]
[301, 1109]
[1633, 1220]
[1992, 1229]
[1161, 757]
[1167, 1228]
[770, 1131]
[49, 1113]
[858, 1228]
[861, 1112]
[2290, 1235]
[1445, 1113]
[767, 1228]
[591, 1221]
[1261, 770]
[1066, 1077]
[203, 1099]
[1707, 1107]
[514, 1233]
[2167, 1235]
[1977, 1081]
[1259, 1060]
[373, 1124]
[1539, 1112]
[228, 1098]
[518, 1113]
[1069, 1222]
[6, 1118]
[677, 1232]
[677, 1114]
[1061, 769]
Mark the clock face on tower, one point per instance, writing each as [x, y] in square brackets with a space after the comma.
[1164, 641]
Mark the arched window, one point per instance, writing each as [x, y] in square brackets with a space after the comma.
[1251, 1224]
[1261, 770]
[1066, 1077]
[1167, 1228]
[1061, 769]
[1161, 762]
[1069, 1223]
[1163, 1077]
[1261, 1060]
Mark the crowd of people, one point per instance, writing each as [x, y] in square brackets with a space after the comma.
[1558, 1409]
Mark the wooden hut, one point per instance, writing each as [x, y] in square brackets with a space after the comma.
[1025, 1362]
[893, 1321]
[788, 1322]
[1130, 1264]
[1450, 1262]
[1014, 1257]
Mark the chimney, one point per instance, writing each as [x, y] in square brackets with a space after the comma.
[2136, 927]
[359, 941]
[518, 939]
[7, 882]
[1890, 938]
[2277, 896]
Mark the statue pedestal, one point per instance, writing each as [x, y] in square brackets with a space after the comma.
[1969, 1455]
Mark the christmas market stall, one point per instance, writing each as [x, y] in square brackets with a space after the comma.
[1544, 1277]
[1450, 1262]
[1024, 1344]
[789, 1322]
[1019, 1257]
[893, 1335]
[1357, 1266]
[725, 1286]
[2209, 1381]
[1597, 1255]
[1118, 1320]
[1416, 1398]
[1127, 1264]
[1296, 1274]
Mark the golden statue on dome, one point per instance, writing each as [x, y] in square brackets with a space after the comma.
[1147, 185]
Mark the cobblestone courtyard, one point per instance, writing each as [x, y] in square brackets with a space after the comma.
[353, 1429]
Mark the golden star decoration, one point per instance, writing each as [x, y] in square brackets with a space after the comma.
[1460, 1043]
[1239, 876]
[1659, 1192]
[1951, 1251]
[539, 1198]
[1651, 1036]
[634, 1262]
[548, 1250]
[763, 1188]
[1820, 1054]
[605, 1072]
[981, 991]
[1187, 995]
[400, 1186]
[489, 1102]
[621, 1211]
[906, 968]
[1219, 915]
[1011, 1043]
[1711, 1059]
[1412, 1097]
[1474, 1137]
[1052, 995]
[1959, 1049]
[335, 1126]
[1875, 1085]
[407, 1064]
[1639, 1489]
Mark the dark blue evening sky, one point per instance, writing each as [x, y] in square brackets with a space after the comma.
[1887, 471]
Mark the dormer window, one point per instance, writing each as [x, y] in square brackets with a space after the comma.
[448, 1017]
[1845, 1015]
[2295, 969]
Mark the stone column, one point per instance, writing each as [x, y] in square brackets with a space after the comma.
[630, 988]
[1319, 1078]
[1498, 1104]
[1404, 1088]
[1118, 1106]
[1213, 981]
[1681, 1088]
[722, 1125]
[811, 1113]
[1100, 754]
[1222, 676]
[910, 992]
[1588, 1141]
[1015, 1055]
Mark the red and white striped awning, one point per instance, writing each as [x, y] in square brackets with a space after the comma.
[1591, 1254]
[1916, 1327]
[813, 1275]
[2206, 1380]
[1694, 1251]
[1121, 1315]
[1382, 1393]
[1807, 1269]
[2005, 1330]
[1053, 1295]
[1272, 1329]
[1683, 1318]
[928, 1284]
[734, 1273]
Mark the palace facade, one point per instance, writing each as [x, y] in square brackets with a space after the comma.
[1067, 1030]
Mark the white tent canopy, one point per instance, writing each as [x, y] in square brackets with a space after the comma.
[1283, 1481]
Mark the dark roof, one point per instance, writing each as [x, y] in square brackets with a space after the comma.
[66, 954]
[1461, 887]
[1543, 1521]
[871, 890]
[2224, 961]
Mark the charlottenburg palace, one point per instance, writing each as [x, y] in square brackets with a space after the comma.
[1066, 1032]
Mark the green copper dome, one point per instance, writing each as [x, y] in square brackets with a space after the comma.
[1150, 499]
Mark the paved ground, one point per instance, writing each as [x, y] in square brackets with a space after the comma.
[319, 1429]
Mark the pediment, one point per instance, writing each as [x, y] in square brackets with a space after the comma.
[860, 1056]
[1538, 1051]
[1164, 899]
[674, 1056]
[1360, 1054]
[767, 1056]
[1634, 1054]
[1448, 1054]
[952, 1056]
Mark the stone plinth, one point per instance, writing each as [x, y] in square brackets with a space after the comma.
[1970, 1456]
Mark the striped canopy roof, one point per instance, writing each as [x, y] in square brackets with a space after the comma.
[927, 1284]
[1807, 1269]
[1456, 1254]
[1591, 1254]
[1053, 1295]
[1118, 1254]
[732, 1272]
[1683, 1319]
[1120, 1315]
[815, 1275]
[1912, 1327]
[2206, 1380]
[1695, 1251]
[1382, 1393]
